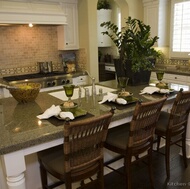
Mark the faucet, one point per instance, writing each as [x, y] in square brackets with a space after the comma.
[93, 83]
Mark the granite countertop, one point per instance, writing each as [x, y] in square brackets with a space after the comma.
[20, 128]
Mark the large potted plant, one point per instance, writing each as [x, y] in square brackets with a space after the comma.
[103, 4]
[135, 47]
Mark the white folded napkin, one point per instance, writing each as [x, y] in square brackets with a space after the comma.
[121, 101]
[165, 91]
[64, 115]
[52, 111]
[109, 97]
[150, 90]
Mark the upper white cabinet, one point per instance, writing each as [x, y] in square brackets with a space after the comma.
[68, 34]
[156, 14]
[103, 15]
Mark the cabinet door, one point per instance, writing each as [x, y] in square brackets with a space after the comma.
[103, 16]
[68, 34]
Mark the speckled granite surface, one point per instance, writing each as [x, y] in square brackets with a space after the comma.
[20, 128]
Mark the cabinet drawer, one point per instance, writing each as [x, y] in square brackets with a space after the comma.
[110, 68]
[81, 80]
[175, 77]
[172, 78]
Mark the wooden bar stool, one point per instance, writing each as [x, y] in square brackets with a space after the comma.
[136, 137]
[172, 127]
[81, 155]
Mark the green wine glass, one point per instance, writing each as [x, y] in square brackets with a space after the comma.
[123, 81]
[160, 75]
[69, 89]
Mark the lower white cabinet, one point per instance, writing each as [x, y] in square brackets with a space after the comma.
[4, 93]
[173, 78]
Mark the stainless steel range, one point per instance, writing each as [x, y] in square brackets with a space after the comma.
[45, 79]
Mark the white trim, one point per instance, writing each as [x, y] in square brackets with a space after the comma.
[32, 12]
[172, 53]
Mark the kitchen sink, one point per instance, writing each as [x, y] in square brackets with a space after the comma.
[61, 94]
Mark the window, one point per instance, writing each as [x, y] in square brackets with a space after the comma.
[180, 27]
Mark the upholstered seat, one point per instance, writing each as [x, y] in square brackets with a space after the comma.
[81, 155]
[136, 137]
[163, 121]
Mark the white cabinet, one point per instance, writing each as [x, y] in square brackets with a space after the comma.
[68, 34]
[4, 93]
[80, 80]
[173, 78]
[103, 15]
[156, 14]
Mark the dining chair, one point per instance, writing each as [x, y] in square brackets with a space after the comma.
[136, 137]
[81, 155]
[172, 127]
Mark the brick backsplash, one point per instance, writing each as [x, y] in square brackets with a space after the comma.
[22, 47]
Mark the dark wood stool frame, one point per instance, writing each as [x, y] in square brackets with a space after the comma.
[81, 155]
[173, 126]
[136, 137]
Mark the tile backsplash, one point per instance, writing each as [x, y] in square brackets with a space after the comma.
[22, 47]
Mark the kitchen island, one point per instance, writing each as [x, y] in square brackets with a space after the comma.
[22, 133]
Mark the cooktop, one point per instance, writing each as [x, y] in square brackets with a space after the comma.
[32, 76]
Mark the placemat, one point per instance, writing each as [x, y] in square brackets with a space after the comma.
[121, 106]
[162, 94]
[58, 122]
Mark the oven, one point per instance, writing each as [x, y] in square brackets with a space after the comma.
[110, 71]
[110, 68]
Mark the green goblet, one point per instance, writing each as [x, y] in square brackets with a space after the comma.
[160, 75]
[69, 91]
[123, 81]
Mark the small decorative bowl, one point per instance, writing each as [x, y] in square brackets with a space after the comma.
[125, 95]
[69, 109]
[162, 85]
[25, 92]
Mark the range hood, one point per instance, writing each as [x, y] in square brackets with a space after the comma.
[33, 11]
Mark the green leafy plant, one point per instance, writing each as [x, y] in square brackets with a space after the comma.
[134, 43]
[103, 4]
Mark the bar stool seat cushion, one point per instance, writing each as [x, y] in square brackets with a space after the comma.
[163, 121]
[118, 136]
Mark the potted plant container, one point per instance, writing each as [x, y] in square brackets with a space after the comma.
[135, 47]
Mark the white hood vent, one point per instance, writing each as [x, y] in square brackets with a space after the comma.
[33, 11]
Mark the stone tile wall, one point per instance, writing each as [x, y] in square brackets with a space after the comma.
[22, 47]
